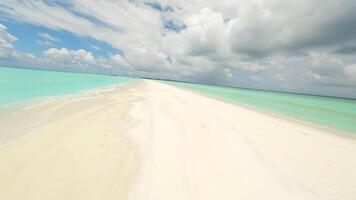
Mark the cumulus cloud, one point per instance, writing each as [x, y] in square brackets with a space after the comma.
[119, 60]
[83, 60]
[7, 49]
[6, 40]
[69, 58]
[258, 43]
[205, 33]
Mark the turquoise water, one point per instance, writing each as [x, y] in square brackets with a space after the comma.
[18, 85]
[337, 113]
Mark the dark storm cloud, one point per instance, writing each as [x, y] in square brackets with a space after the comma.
[329, 25]
[346, 50]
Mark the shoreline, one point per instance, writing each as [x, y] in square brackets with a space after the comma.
[321, 127]
[43, 99]
[90, 93]
[147, 140]
[73, 146]
[26, 104]
[55, 102]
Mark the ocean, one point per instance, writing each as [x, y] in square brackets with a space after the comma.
[20, 85]
[338, 113]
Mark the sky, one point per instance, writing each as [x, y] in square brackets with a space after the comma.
[306, 46]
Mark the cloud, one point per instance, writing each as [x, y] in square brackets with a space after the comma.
[95, 47]
[69, 58]
[46, 39]
[272, 44]
[7, 49]
[83, 60]
[350, 72]
[6, 40]
[205, 33]
[269, 27]
[119, 60]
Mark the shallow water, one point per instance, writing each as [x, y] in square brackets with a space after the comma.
[333, 112]
[19, 85]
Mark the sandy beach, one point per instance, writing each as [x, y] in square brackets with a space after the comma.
[151, 141]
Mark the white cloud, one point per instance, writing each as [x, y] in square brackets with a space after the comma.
[69, 58]
[6, 40]
[205, 33]
[286, 44]
[119, 60]
[95, 47]
[83, 60]
[7, 49]
[46, 39]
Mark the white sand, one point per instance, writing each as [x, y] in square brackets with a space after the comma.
[151, 141]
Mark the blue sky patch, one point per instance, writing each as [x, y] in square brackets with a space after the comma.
[173, 26]
[159, 7]
[28, 37]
